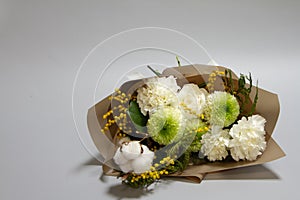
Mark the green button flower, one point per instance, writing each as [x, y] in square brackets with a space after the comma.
[164, 125]
[223, 108]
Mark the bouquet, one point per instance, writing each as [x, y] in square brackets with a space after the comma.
[186, 122]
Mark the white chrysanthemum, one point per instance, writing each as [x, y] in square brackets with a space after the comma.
[248, 138]
[214, 143]
[133, 156]
[158, 92]
[192, 99]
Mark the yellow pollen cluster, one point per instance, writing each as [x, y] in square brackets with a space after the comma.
[107, 114]
[202, 116]
[150, 174]
[118, 112]
[120, 96]
[200, 130]
[212, 79]
[166, 161]
[185, 107]
[154, 148]
[120, 135]
[154, 173]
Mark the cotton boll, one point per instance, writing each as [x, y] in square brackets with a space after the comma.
[131, 150]
[127, 167]
[124, 140]
[129, 157]
[143, 162]
[146, 150]
[119, 158]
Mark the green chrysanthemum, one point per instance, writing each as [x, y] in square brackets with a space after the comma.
[164, 126]
[223, 108]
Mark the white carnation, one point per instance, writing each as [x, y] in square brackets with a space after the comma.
[158, 92]
[248, 138]
[192, 99]
[214, 143]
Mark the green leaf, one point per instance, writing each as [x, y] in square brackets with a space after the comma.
[255, 100]
[242, 81]
[137, 118]
[202, 85]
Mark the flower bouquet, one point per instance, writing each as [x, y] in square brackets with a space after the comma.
[185, 122]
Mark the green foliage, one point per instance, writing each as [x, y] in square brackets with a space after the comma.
[137, 118]
[141, 183]
[242, 92]
[180, 164]
[195, 145]
[202, 85]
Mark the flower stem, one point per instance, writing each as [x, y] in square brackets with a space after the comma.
[154, 71]
[178, 61]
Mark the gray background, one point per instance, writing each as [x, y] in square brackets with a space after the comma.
[42, 44]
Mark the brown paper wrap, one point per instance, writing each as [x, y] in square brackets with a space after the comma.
[267, 106]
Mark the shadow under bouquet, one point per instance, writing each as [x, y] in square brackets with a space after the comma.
[185, 122]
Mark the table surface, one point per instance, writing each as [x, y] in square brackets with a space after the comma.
[42, 45]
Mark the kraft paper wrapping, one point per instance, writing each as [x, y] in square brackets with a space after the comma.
[267, 106]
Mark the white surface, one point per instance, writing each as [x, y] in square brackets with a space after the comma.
[42, 44]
